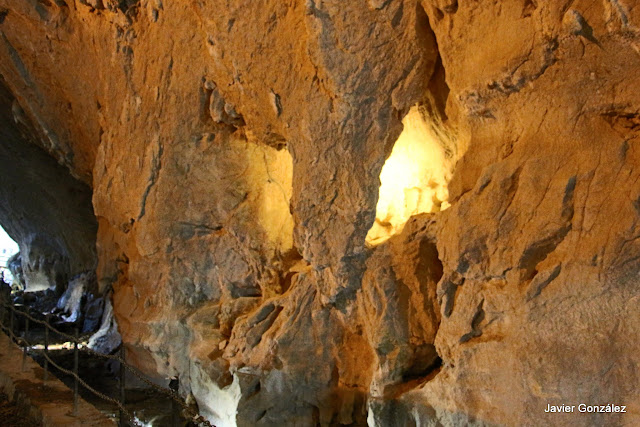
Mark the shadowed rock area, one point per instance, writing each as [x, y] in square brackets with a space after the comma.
[10, 413]
[235, 152]
[42, 207]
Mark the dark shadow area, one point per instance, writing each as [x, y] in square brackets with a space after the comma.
[42, 207]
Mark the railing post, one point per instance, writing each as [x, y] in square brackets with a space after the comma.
[122, 393]
[12, 334]
[25, 343]
[46, 348]
[2, 309]
[75, 372]
[175, 386]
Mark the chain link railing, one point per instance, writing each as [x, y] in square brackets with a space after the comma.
[77, 347]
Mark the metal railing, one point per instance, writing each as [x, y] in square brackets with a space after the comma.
[77, 347]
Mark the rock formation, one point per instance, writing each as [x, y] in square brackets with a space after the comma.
[234, 152]
[44, 209]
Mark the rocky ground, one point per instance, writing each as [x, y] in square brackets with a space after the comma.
[10, 415]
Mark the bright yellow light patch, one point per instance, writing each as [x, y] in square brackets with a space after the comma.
[414, 178]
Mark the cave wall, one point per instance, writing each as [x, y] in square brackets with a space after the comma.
[42, 207]
[540, 285]
[234, 151]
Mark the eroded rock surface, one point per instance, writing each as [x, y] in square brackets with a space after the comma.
[234, 151]
[43, 208]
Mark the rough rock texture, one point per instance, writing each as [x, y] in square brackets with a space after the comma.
[234, 151]
[43, 208]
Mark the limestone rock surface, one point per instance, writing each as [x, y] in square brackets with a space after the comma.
[234, 152]
[43, 208]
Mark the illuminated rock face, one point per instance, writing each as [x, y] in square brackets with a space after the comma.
[240, 152]
[414, 178]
